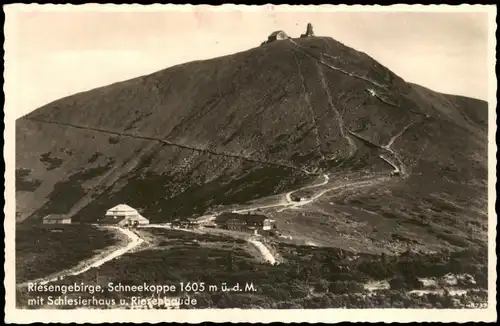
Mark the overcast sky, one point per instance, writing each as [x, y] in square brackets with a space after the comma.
[51, 54]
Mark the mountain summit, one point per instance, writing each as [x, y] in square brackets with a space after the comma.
[233, 129]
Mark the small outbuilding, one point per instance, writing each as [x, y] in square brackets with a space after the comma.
[56, 219]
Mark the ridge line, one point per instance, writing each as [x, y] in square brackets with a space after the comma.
[337, 68]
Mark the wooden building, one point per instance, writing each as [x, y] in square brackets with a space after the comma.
[245, 222]
[190, 223]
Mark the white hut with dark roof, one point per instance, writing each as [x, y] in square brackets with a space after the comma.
[276, 36]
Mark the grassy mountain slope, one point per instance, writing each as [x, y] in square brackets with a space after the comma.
[240, 127]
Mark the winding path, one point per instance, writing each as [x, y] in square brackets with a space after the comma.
[399, 167]
[350, 74]
[393, 138]
[396, 168]
[388, 148]
[268, 256]
[288, 196]
[287, 203]
[351, 185]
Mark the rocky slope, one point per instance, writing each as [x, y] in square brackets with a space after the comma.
[244, 126]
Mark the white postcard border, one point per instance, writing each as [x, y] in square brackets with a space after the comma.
[14, 315]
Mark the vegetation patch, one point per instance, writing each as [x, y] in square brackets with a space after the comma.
[50, 162]
[24, 183]
[42, 251]
[310, 277]
[114, 140]
[153, 193]
[68, 193]
[94, 157]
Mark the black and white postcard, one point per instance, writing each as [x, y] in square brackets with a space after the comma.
[250, 163]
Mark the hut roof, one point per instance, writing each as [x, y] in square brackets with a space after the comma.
[122, 208]
[276, 33]
[56, 217]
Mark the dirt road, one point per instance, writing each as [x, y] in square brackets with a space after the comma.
[388, 147]
[351, 185]
[268, 256]
[288, 196]
[396, 168]
[134, 242]
[287, 203]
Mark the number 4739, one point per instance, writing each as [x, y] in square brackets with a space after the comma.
[477, 305]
